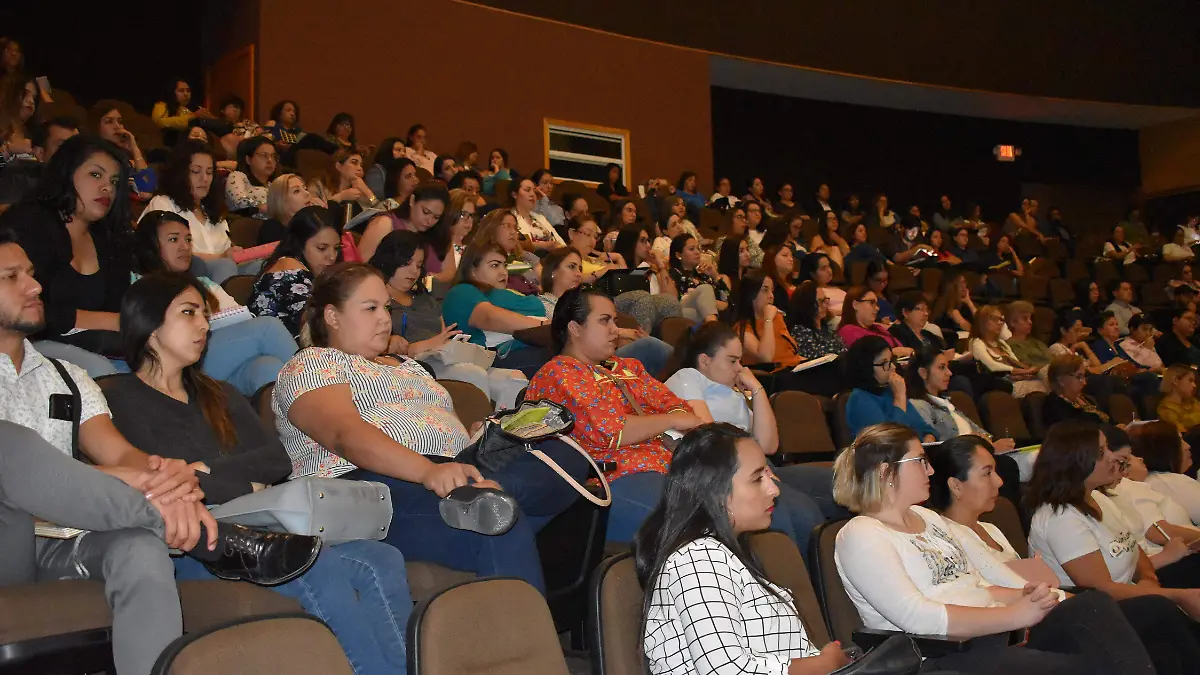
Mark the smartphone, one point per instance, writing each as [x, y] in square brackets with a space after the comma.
[642, 191]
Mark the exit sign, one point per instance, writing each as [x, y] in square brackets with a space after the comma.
[1006, 153]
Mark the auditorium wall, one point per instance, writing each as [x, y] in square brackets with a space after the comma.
[1170, 156]
[470, 73]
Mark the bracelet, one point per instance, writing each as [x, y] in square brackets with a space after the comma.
[755, 392]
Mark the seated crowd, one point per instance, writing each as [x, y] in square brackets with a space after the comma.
[367, 283]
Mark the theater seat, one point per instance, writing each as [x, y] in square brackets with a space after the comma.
[614, 618]
[239, 287]
[285, 643]
[1005, 517]
[784, 565]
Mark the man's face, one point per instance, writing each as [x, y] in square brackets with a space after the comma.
[21, 309]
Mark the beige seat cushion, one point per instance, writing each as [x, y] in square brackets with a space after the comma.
[425, 579]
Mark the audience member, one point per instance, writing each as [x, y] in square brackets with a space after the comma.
[859, 315]
[954, 310]
[1139, 346]
[545, 207]
[497, 170]
[687, 189]
[416, 150]
[877, 392]
[1176, 346]
[106, 118]
[75, 229]
[691, 274]
[757, 321]
[1185, 280]
[169, 406]
[340, 131]
[993, 353]
[246, 187]
[1178, 404]
[536, 232]
[286, 195]
[1177, 250]
[613, 185]
[913, 330]
[633, 245]
[852, 214]
[1066, 401]
[883, 558]
[1118, 250]
[829, 242]
[780, 265]
[723, 198]
[330, 396]
[311, 244]
[467, 156]
[421, 213]
[717, 491]
[816, 267]
[342, 189]
[172, 113]
[1168, 460]
[1135, 228]
[19, 177]
[1122, 305]
[499, 228]
[1018, 316]
[809, 323]
[733, 261]
[390, 151]
[880, 215]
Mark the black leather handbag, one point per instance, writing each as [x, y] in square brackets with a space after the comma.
[897, 655]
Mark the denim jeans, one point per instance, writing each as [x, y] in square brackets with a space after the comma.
[636, 495]
[249, 354]
[652, 352]
[420, 534]
[360, 589]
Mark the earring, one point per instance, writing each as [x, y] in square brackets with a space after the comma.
[891, 484]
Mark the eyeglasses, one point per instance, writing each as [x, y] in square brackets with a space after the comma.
[872, 301]
[887, 365]
[739, 216]
[591, 234]
[1122, 464]
[920, 458]
[466, 215]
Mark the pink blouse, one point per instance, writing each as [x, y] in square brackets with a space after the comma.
[851, 333]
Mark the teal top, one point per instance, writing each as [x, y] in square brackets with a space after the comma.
[462, 299]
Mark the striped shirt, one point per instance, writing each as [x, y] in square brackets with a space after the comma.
[403, 401]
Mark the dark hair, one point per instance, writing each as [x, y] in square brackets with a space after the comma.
[536, 176]
[627, 239]
[874, 267]
[924, 357]
[412, 131]
[620, 174]
[677, 246]
[396, 250]
[805, 307]
[1064, 320]
[465, 150]
[383, 155]
[683, 177]
[332, 287]
[392, 177]
[169, 100]
[503, 155]
[1159, 446]
[574, 305]
[461, 176]
[338, 119]
[695, 504]
[303, 226]
[551, 262]
[245, 150]
[146, 251]
[953, 458]
[41, 132]
[860, 363]
[1068, 456]
[56, 191]
[743, 302]
[777, 233]
[810, 263]
[568, 200]
[471, 256]
[437, 236]
[8, 236]
[729, 261]
[277, 112]
[174, 181]
[232, 99]
[707, 340]
[1081, 293]
[437, 165]
[908, 301]
[143, 311]
[613, 220]
[1103, 319]
[1136, 321]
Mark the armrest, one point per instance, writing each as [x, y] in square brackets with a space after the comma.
[930, 646]
[538, 336]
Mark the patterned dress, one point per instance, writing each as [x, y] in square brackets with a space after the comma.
[282, 294]
[402, 401]
[601, 410]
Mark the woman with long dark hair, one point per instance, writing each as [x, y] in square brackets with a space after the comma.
[311, 244]
[172, 112]
[718, 491]
[245, 350]
[246, 186]
[690, 274]
[878, 392]
[389, 152]
[613, 185]
[808, 320]
[421, 213]
[759, 325]
[733, 260]
[816, 267]
[170, 405]
[75, 230]
[650, 308]
[341, 131]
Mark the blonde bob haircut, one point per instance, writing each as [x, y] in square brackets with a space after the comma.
[1172, 375]
[277, 196]
[862, 469]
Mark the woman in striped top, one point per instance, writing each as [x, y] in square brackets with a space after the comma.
[344, 408]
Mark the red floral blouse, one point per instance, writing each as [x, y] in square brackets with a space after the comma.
[600, 409]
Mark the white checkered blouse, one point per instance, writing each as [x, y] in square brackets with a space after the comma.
[709, 615]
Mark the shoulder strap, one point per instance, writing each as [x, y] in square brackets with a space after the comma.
[76, 404]
[623, 388]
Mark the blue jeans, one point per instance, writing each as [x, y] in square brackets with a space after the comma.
[420, 534]
[636, 495]
[652, 352]
[96, 365]
[360, 589]
[249, 354]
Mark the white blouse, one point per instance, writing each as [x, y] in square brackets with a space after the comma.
[902, 581]
[208, 237]
[1064, 534]
[1182, 489]
[1143, 506]
[537, 228]
[992, 564]
[709, 615]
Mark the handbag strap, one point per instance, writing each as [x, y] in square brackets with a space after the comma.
[607, 500]
[76, 404]
[624, 389]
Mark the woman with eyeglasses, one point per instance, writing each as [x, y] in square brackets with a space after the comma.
[810, 325]
[1080, 532]
[828, 241]
[421, 213]
[246, 187]
[878, 392]
[994, 354]
[584, 234]
[739, 227]
[634, 245]
[903, 570]
[859, 312]
[816, 267]
[1067, 377]
[965, 485]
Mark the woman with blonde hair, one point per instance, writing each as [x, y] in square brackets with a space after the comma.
[1178, 404]
[341, 188]
[997, 357]
[286, 195]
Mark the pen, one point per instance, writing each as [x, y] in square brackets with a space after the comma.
[403, 324]
[1162, 532]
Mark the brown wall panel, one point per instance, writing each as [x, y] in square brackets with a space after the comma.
[1170, 157]
[395, 63]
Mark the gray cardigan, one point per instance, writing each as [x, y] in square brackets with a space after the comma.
[942, 420]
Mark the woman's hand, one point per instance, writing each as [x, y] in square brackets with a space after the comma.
[747, 381]
[896, 384]
[1003, 445]
[437, 341]
[232, 251]
[770, 312]
[630, 334]
[441, 479]
[684, 421]
[397, 345]
[349, 194]
[1034, 605]
[902, 351]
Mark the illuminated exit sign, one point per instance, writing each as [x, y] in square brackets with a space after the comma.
[1006, 153]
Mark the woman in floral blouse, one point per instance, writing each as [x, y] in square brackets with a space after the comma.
[810, 323]
[309, 246]
[693, 278]
[623, 416]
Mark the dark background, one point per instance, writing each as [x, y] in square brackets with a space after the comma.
[914, 156]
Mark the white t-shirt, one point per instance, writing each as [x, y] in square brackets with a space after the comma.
[208, 237]
[537, 228]
[1064, 534]
[901, 581]
[1143, 506]
[1183, 490]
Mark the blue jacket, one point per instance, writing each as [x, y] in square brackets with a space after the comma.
[864, 408]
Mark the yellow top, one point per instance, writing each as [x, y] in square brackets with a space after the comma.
[1183, 415]
[160, 117]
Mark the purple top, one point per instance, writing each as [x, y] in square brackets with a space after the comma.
[433, 264]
